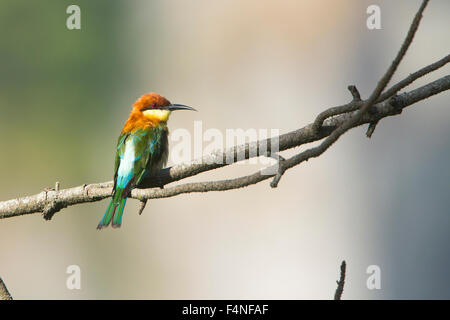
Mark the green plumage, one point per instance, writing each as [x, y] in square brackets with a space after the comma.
[139, 154]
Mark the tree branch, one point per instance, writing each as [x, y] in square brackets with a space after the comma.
[4, 293]
[413, 77]
[330, 124]
[96, 192]
[350, 123]
[341, 282]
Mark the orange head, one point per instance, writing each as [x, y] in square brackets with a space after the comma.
[150, 110]
[150, 100]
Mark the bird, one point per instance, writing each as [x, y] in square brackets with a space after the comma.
[142, 150]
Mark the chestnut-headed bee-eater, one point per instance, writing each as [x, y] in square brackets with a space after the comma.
[142, 150]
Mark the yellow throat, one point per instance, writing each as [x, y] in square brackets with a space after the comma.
[157, 114]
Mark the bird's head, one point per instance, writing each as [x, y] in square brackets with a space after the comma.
[156, 108]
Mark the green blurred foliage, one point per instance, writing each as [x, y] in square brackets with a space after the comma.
[56, 88]
[58, 120]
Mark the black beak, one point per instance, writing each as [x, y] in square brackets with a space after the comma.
[173, 107]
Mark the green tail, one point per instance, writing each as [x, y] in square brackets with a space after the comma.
[114, 211]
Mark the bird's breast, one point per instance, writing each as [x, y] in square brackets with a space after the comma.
[127, 160]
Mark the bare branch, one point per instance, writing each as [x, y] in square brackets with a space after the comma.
[142, 205]
[341, 282]
[4, 293]
[334, 111]
[356, 117]
[280, 171]
[348, 116]
[380, 86]
[99, 191]
[412, 77]
[371, 129]
[354, 105]
[355, 93]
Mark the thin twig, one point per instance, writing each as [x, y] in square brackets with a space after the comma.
[280, 170]
[412, 77]
[355, 93]
[341, 282]
[371, 129]
[334, 111]
[142, 205]
[354, 105]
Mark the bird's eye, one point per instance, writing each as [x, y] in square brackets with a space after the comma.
[154, 105]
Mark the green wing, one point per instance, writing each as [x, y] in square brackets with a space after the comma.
[138, 153]
[120, 149]
[155, 145]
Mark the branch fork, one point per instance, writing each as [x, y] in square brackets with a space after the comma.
[328, 126]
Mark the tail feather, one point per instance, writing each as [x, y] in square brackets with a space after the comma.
[114, 211]
[117, 218]
[108, 215]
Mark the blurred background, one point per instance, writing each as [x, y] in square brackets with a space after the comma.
[65, 94]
